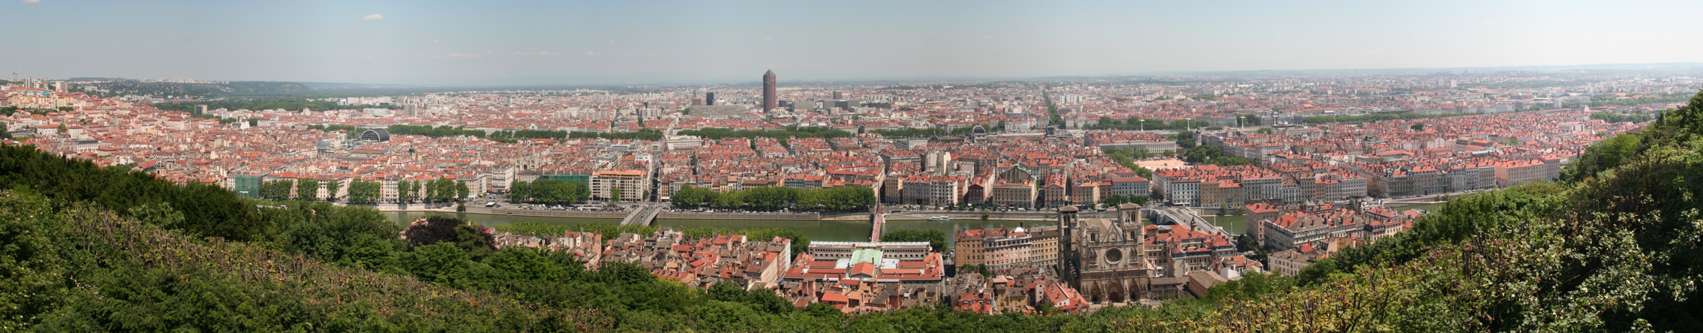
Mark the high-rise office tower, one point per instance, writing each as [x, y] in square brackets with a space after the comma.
[769, 101]
[709, 98]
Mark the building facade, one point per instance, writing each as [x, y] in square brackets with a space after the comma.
[1105, 259]
[632, 185]
[769, 98]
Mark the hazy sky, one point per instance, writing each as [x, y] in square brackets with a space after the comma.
[614, 42]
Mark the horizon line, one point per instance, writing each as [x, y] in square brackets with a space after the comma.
[915, 79]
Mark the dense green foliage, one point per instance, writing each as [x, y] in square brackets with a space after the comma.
[907, 132]
[436, 132]
[208, 209]
[363, 192]
[1615, 249]
[307, 189]
[643, 134]
[1371, 117]
[1136, 124]
[1603, 155]
[780, 134]
[1127, 157]
[507, 136]
[1643, 100]
[445, 190]
[1212, 155]
[10, 110]
[549, 191]
[276, 189]
[774, 198]
[407, 191]
[513, 135]
[1114, 200]
[1619, 117]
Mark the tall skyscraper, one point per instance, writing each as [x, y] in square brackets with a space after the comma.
[709, 98]
[769, 101]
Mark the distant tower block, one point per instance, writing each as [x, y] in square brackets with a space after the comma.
[709, 98]
[769, 100]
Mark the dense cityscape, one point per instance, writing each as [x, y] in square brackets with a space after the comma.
[1311, 165]
[870, 166]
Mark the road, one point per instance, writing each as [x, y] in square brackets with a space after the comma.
[877, 217]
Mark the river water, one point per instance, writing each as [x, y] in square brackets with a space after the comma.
[814, 229]
[824, 230]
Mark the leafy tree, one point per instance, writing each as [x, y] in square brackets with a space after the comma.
[364, 192]
[307, 190]
[549, 191]
[407, 191]
[331, 188]
[436, 132]
[461, 190]
[1615, 117]
[32, 271]
[642, 134]
[779, 134]
[276, 189]
[1137, 124]
[692, 197]
[1603, 156]
[1126, 158]
[844, 198]
[440, 229]
[1115, 200]
[1212, 155]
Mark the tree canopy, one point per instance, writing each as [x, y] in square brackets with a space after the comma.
[772, 198]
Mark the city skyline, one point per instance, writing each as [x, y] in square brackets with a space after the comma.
[524, 43]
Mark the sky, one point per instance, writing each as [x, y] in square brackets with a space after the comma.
[640, 42]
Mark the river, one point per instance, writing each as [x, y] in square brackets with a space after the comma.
[824, 230]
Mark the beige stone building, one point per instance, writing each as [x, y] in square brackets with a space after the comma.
[1001, 248]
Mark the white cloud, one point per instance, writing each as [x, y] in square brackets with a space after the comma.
[373, 17]
[32, 2]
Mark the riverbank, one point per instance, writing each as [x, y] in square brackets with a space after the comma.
[617, 214]
[815, 229]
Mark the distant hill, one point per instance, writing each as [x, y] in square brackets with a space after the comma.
[239, 89]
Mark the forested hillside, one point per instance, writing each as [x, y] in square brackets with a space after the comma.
[83, 248]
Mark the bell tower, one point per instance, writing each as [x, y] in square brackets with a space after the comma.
[1069, 263]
